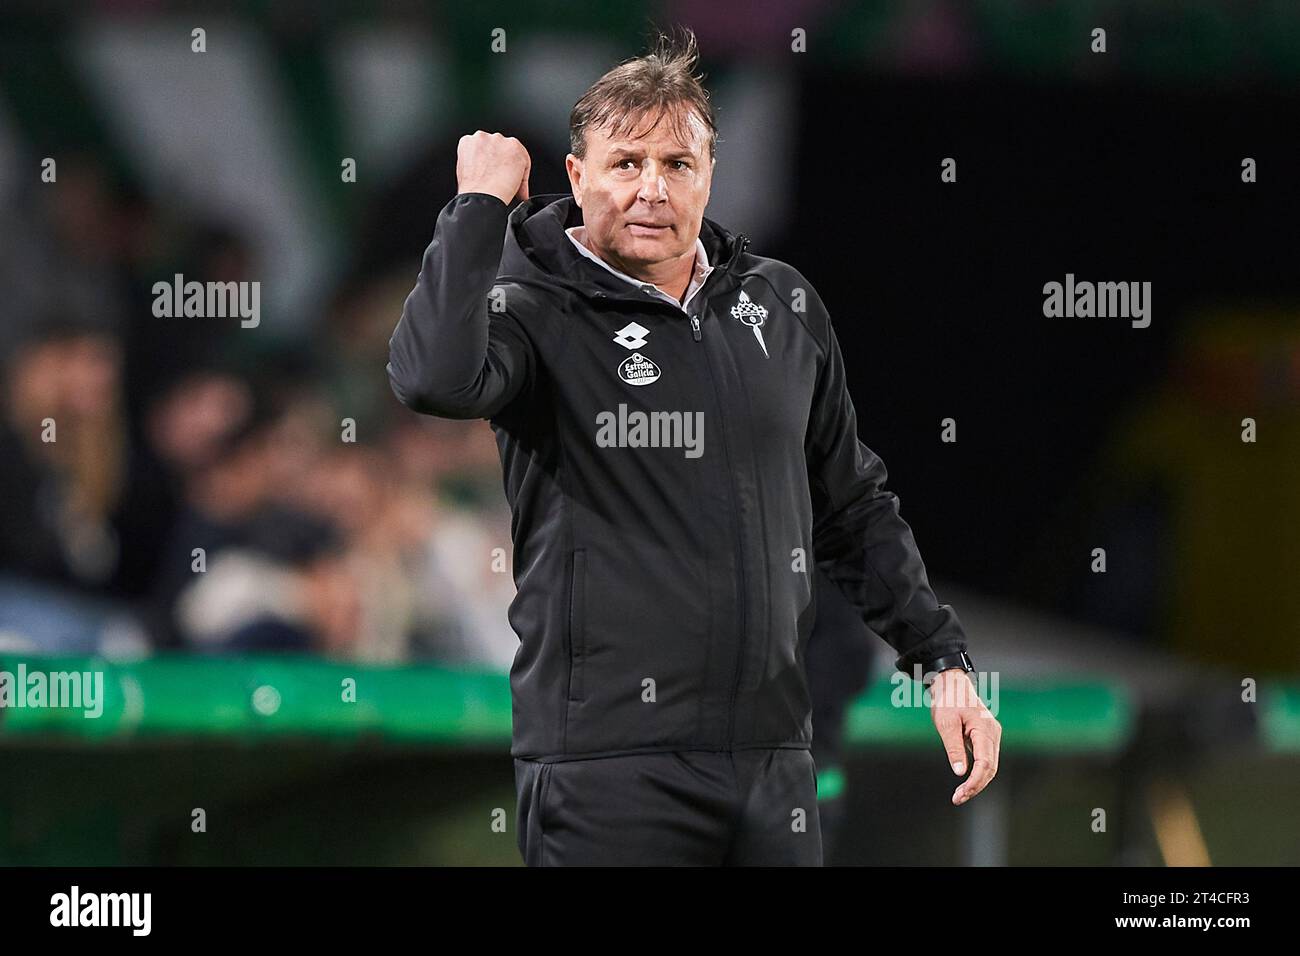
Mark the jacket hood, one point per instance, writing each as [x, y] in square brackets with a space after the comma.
[537, 250]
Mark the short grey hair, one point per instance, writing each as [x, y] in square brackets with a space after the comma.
[659, 83]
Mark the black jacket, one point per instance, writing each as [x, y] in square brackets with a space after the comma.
[665, 590]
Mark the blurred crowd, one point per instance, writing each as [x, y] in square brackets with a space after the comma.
[188, 484]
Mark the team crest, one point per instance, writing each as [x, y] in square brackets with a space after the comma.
[752, 314]
[636, 369]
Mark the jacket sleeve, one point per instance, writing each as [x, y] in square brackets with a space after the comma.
[451, 354]
[859, 538]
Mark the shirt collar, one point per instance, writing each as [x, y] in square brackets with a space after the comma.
[701, 271]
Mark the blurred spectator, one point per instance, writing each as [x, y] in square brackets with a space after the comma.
[161, 351]
[286, 587]
[456, 540]
[67, 461]
[60, 254]
[62, 439]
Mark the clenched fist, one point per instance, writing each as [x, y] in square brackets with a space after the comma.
[494, 164]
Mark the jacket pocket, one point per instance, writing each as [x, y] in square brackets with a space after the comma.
[577, 621]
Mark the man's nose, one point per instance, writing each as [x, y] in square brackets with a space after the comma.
[654, 188]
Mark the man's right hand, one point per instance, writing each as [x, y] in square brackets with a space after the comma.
[494, 164]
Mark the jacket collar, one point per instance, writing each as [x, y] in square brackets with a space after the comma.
[537, 249]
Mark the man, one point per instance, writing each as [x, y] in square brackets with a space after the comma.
[679, 449]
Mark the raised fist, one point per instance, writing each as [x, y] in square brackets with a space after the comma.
[494, 164]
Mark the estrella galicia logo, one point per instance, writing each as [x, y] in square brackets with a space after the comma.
[752, 314]
[636, 369]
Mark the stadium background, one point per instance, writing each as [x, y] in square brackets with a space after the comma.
[373, 560]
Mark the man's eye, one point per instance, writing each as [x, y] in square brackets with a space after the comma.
[676, 163]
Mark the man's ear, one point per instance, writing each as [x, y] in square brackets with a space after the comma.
[573, 166]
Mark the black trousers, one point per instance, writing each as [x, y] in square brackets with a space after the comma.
[683, 808]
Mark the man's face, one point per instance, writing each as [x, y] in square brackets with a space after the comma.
[643, 195]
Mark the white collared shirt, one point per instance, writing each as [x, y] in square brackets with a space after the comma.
[701, 272]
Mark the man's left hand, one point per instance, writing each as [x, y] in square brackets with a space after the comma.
[959, 715]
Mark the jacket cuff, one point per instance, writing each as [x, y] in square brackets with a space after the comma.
[948, 643]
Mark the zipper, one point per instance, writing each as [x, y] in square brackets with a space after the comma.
[741, 577]
[742, 242]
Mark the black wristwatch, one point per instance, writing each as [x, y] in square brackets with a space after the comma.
[931, 669]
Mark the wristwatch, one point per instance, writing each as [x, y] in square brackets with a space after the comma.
[931, 669]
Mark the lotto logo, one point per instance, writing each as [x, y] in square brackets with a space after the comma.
[631, 336]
